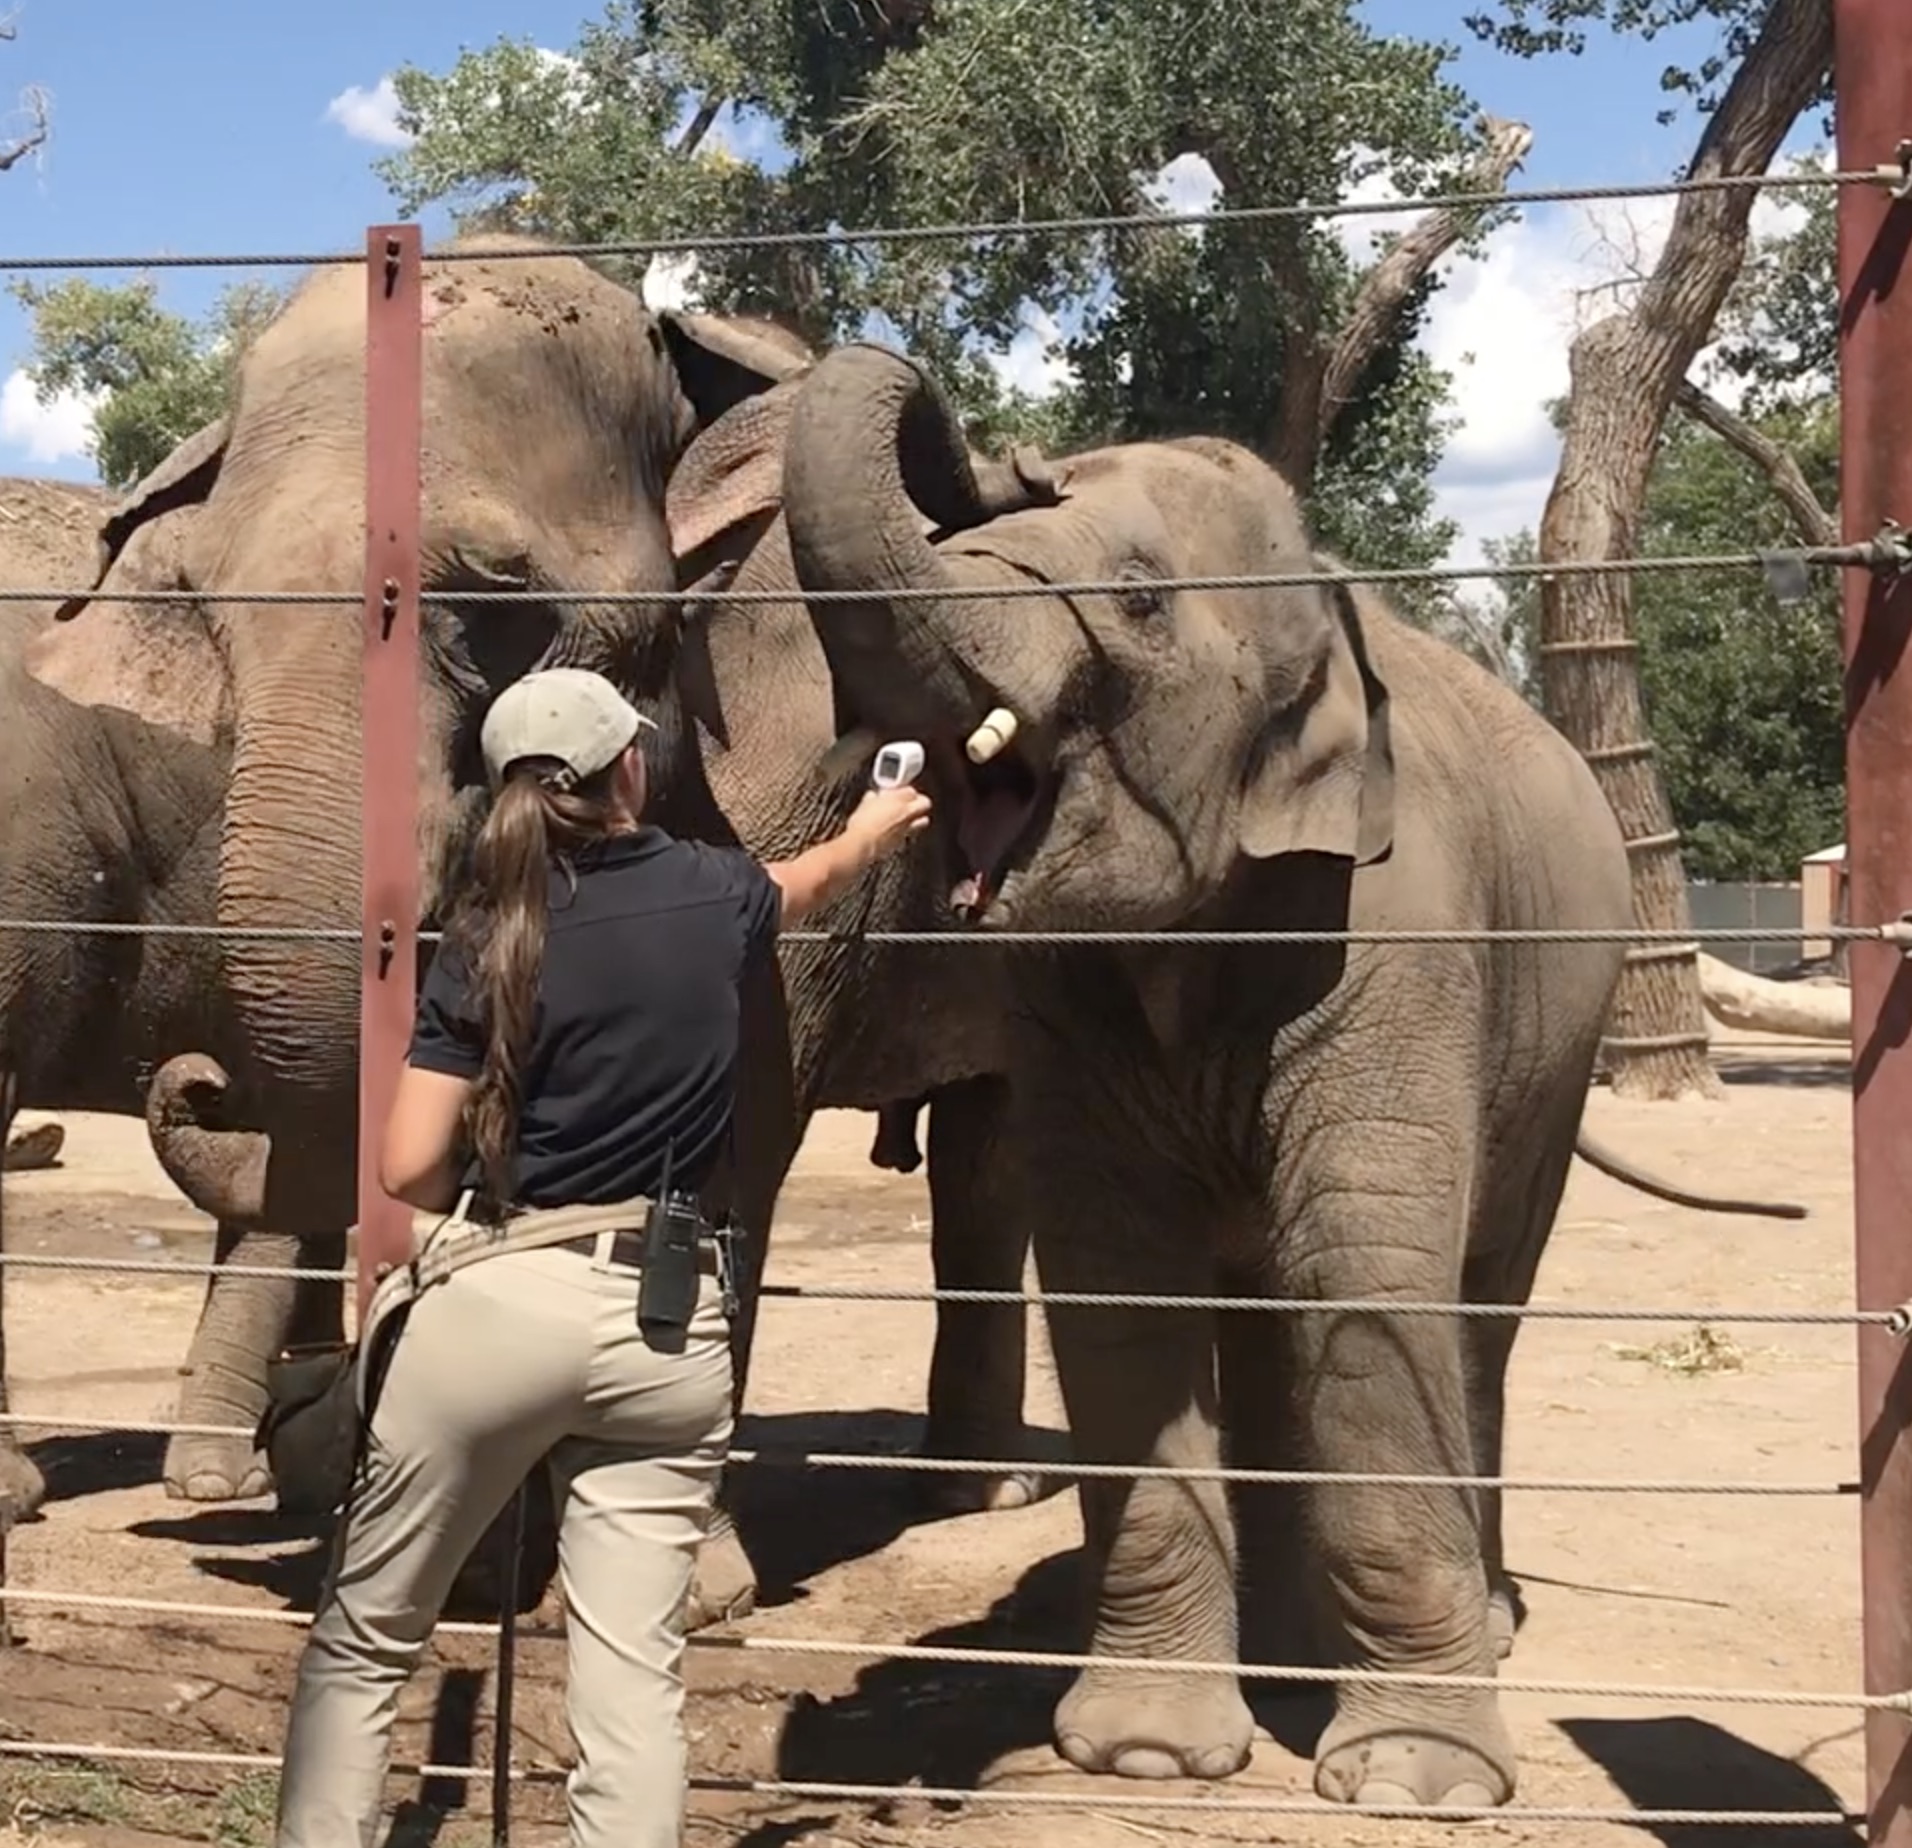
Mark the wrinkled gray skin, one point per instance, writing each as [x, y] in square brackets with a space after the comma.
[556, 408]
[1328, 1122]
[220, 1115]
[103, 816]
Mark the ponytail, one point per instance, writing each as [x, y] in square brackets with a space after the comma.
[500, 925]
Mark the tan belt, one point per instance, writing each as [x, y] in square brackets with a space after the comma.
[455, 1241]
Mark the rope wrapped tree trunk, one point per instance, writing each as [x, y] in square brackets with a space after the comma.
[1624, 372]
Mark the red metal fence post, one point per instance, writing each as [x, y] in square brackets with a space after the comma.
[394, 409]
[1874, 110]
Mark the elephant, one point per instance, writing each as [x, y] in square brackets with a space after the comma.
[748, 752]
[1310, 1121]
[556, 406]
[104, 818]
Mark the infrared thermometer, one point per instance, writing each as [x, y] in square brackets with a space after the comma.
[897, 765]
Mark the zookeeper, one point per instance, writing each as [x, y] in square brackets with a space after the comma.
[575, 1045]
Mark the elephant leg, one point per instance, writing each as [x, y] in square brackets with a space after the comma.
[243, 1322]
[1525, 1207]
[1287, 1616]
[22, 1487]
[1388, 1395]
[977, 1366]
[769, 1127]
[1158, 1555]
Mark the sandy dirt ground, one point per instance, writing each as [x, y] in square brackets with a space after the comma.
[1667, 1590]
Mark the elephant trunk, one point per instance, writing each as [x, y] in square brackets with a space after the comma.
[874, 453]
[219, 1168]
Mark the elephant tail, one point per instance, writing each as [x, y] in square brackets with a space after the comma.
[1597, 1155]
[221, 1169]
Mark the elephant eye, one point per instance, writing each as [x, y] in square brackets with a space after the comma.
[1140, 596]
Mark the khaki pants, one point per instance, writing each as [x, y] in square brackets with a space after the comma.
[522, 1355]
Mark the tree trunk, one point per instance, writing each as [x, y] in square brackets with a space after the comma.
[1624, 371]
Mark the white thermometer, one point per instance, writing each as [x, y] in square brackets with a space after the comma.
[897, 765]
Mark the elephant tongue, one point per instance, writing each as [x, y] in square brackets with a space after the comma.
[985, 832]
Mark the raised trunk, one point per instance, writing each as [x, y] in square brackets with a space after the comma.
[1624, 372]
[873, 452]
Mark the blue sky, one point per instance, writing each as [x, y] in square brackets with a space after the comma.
[199, 127]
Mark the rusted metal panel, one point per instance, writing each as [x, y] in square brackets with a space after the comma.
[394, 407]
[1874, 112]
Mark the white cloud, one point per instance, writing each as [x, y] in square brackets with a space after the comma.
[1033, 363]
[671, 282]
[1503, 326]
[369, 115]
[1186, 184]
[46, 433]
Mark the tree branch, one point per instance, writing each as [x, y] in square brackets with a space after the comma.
[1816, 525]
[1386, 287]
[698, 126]
[21, 146]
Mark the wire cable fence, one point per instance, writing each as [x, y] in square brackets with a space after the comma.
[1886, 556]
[1891, 174]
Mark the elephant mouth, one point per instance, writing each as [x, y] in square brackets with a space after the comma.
[1002, 808]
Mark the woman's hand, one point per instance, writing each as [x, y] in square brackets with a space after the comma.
[886, 818]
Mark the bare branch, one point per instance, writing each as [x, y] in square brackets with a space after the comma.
[34, 99]
[1386, 287]
[1816, 525]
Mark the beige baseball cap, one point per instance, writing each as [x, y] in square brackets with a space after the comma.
[566, 713]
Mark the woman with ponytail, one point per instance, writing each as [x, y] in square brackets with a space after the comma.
[574, 1055]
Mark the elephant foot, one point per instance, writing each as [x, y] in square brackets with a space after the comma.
[952, 1494]
[33, 1145]
[22, 1487]
[1194, 1726]
[723, 1584]
[1368, 1761]
[215, 1469]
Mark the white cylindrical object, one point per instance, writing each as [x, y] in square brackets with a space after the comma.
[992, 737]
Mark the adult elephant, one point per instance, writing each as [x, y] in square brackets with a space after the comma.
[102, 819]
[556, 407]
[748, 751]
[1311, 1121]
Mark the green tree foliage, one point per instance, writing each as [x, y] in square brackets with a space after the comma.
[156, 376]
[1533, 28]
[1743, 694]
[945, 111]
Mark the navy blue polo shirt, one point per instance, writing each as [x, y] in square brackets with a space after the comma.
[634, 1038]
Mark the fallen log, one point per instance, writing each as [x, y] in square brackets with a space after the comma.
[1755, 1004]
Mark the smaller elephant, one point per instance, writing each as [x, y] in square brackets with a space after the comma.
[1325, 1122]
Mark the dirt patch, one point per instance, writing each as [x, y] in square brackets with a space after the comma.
[1646, 1590]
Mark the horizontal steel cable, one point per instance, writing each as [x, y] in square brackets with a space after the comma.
[794, 1458]
[1010, 227]
[1898, 933]
[959, 593]
[1900, 1702]
[889, 1650]
[1073, 1299]
[796, 1790]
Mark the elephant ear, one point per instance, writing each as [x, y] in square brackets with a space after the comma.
[731, 477]
[722, 360]
[1323, 779]
[184, 479]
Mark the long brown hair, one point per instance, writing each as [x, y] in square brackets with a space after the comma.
[499, 927]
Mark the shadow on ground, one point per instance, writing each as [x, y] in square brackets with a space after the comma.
[1679, 1763]
[942, 1723]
